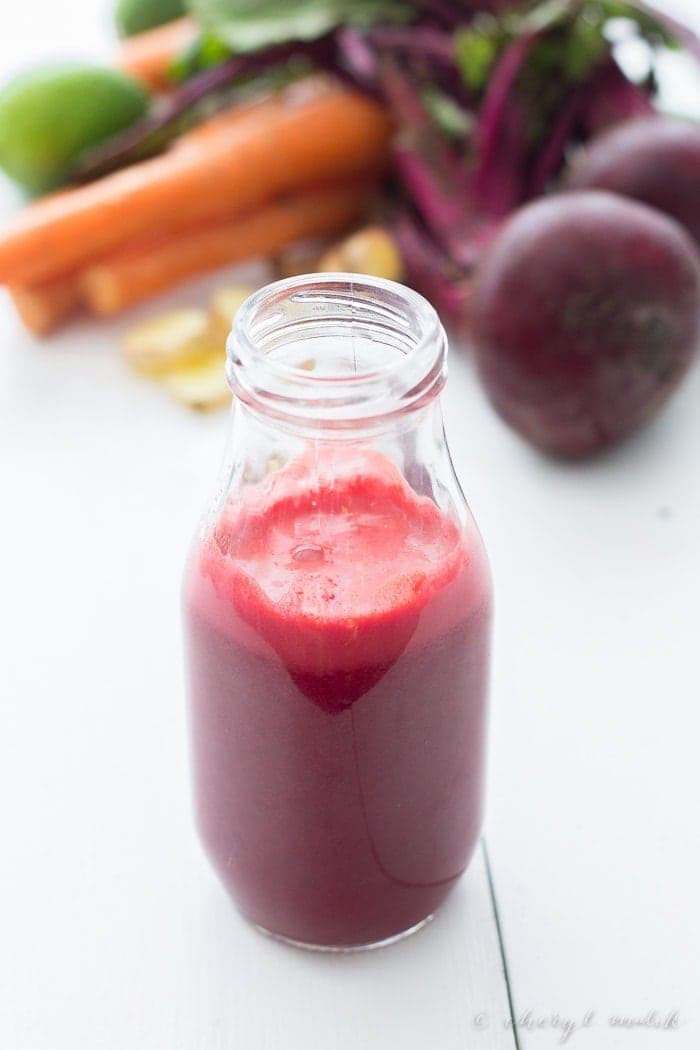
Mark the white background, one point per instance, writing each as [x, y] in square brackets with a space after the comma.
[112, 931]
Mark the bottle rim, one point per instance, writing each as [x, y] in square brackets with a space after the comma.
[272, 343]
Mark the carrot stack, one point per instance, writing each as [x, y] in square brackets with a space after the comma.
[133, 275]
[244, 183]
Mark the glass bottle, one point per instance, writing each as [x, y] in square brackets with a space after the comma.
[337, 618]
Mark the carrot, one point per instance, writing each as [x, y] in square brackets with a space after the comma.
[148, 56]
[44, 307]
[136, 274]
[236, 161]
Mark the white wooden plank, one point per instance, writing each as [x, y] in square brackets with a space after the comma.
[438, 987]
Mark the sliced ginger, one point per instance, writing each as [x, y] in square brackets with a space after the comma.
[371, 251]
[168, 341]
[201, 386]
[223, 308]
[185, 349]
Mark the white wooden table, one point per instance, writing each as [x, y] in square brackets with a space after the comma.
[113, 933]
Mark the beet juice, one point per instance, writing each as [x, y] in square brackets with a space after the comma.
[337, 605]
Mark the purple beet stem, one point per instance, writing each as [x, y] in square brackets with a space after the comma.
[122, 148]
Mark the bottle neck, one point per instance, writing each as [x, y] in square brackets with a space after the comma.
[336, 354]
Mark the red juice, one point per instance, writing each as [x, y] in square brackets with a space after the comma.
[338, 637]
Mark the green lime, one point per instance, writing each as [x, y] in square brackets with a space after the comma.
[135, 16]
[50, 115]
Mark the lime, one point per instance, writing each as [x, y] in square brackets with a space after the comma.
[135, 16]
[50, 115]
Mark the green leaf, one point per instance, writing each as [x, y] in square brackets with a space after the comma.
[447, 114]
[203, 53]
[476, 52]
[136, 16]
[541, 16]
[584, 48]
[248, 25]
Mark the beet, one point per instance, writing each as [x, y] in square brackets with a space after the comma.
[656, 160]
[585, 317]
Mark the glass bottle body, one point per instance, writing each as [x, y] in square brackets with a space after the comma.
[337, 609]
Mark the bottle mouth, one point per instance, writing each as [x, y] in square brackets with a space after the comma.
[336, 349]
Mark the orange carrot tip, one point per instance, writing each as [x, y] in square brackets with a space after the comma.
[45, 307]
[149, 56]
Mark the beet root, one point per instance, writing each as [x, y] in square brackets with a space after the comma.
[585, 317]
[655, 160]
